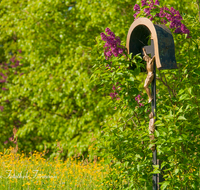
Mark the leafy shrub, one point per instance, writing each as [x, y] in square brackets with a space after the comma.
[125, 138]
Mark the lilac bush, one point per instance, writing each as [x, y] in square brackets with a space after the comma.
[113, 44]
[166, 15]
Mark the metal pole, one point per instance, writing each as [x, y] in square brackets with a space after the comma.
[153, 107]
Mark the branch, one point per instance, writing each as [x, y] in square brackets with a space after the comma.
[137, 117]
[131, 120]
[165, 83]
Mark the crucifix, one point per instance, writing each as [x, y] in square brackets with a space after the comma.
[152, 80]
[161, 55]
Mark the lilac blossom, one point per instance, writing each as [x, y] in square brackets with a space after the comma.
[1, 108]
[2, 81]
[178, 31]
[103, 36]
[115, 94]
[113, 44]
[138, 100]
[144, 2]
[136, 7]
[12, 59]
[156, 2]
[172, 15]
[6, 142]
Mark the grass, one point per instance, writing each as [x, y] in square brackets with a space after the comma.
[33, 171]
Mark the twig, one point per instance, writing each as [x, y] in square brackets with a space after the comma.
[131, 120]
[165, 83]
[137, 117]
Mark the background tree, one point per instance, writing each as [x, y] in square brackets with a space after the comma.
[46, 64]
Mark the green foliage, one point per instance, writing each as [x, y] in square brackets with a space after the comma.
[53, 99]
[125, 138]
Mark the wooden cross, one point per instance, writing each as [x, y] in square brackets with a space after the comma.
[162, 46]
[150, 50]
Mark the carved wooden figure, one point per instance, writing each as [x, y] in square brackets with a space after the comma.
[152, 129]
[150, 74]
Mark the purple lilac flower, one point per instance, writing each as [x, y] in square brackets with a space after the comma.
[144, 2]
[109, 32]
[168, 16]
[120, 51]
[5, 68]
[147, 11]
[5, 142]
[173, 17]
[12, 59]
[17, 63]
[162, 13]
[138, 100]
[2, 81]
[163, 21]
[156, 2]
[5, 77]
[113, 95]
[175, 24]
[173, 11]
[4, 89]
[135, 15]
[141, 104]
[151, 5]
[103, 36]
[108, 53]
[178, 30]
[184, 29]
[1, 108]
[178, 16]
[113, 44]
[136, 7]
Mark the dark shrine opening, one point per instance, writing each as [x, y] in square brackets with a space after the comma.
[140, 37]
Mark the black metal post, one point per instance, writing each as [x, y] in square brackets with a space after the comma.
[153, 108]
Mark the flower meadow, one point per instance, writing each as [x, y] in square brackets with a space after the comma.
[33, 171]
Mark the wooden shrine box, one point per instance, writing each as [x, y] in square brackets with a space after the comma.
[162, 43]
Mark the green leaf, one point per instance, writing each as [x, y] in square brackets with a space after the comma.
[181, 118]
[165, 184]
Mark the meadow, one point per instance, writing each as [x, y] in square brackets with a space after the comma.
[20, 171]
